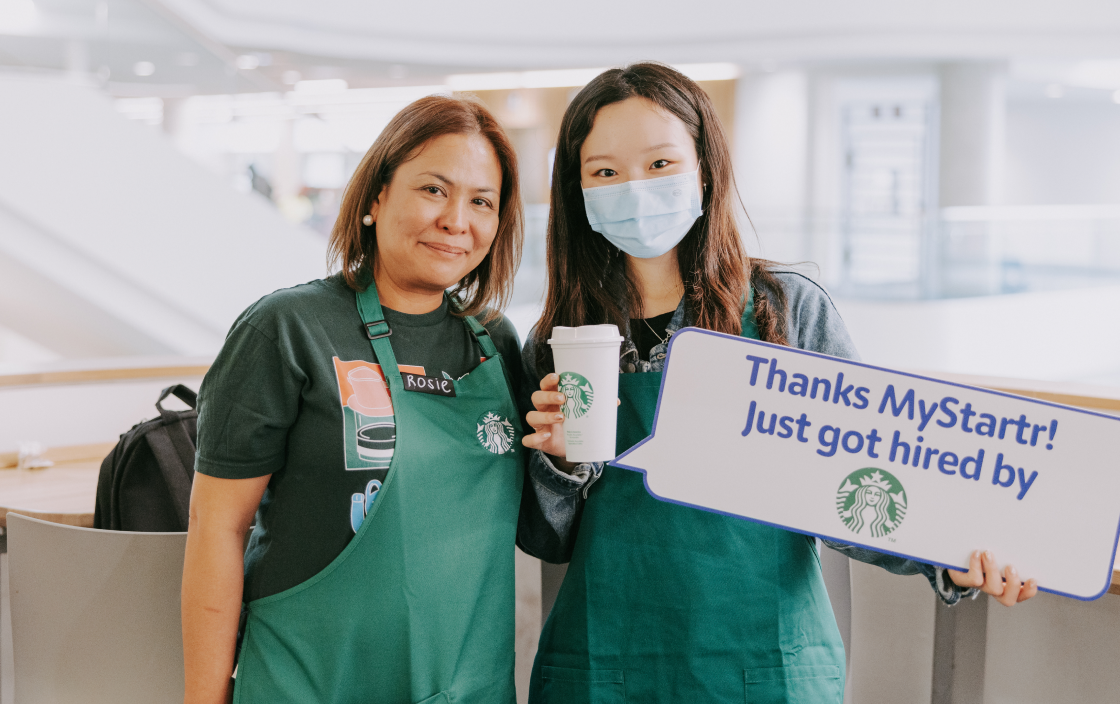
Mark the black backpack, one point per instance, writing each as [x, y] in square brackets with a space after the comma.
[145, 482]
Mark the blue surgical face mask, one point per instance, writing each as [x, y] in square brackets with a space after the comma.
[645, 218]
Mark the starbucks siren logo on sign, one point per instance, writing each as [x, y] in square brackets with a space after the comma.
[871, 502]
[579, 395]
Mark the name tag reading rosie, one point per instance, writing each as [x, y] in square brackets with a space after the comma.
[895, 462]
[428, 384]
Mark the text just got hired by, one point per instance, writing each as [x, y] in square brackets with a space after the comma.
[947, 413]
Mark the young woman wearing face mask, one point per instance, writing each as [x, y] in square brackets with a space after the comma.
[663, 603]
[352, 415]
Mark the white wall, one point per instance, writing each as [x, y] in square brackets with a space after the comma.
[80, 414]
[1053, 649]
[109, 218]
[892, 637]
[1049, 650]
[1062, 151]
[1050, 335]
[519, 34]
[17, 349]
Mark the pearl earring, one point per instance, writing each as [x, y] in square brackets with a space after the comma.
[367, 220]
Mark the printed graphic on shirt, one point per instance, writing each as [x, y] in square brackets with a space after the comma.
[360, 504]
[451, 378]
[495, 433]
[871, 502]
[579, 392]
[369, 431]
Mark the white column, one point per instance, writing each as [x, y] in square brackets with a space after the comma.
[286, 178]
[771, 160]
[77, 60]
[973, 133]
[173, 118]
[972, 158]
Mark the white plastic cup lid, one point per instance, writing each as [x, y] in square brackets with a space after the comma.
[584, 334]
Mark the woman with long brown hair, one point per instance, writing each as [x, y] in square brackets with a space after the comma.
[665, 603]
[352, 415]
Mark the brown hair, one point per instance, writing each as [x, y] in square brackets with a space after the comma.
[354, 245]
[587, 275]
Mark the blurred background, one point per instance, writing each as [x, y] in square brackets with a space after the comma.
[951, 170]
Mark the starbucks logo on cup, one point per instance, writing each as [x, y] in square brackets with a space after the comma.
[495, 433]
[579, 395]
[871, 502]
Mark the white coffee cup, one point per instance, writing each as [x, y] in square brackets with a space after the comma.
[587, 361]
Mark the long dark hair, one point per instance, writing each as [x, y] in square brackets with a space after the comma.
[588, 281]
[354, 245]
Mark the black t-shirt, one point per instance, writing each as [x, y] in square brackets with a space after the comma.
[649, 332]
[296, 392]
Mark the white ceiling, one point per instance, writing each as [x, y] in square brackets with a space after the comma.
[107, 38]
[517, 33]
[194, 46]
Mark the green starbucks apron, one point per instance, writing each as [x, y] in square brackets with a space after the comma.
[666, 603]
[419, 606]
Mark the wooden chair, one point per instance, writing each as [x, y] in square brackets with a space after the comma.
[95, 613]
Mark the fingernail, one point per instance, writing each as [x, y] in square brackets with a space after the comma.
[558, 416]
[546, 436]
[1014, 572]
[988, 554]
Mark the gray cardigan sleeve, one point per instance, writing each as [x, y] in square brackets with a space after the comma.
[814, 324]
[552, 500]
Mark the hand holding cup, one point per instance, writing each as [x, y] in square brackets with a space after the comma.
[581, 391]
[586, 359]
[547, 420]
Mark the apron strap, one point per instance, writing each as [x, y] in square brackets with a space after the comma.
[489, 349]
[378, 332]
[482, 335]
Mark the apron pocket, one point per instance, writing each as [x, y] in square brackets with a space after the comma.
[562, 685]
[440, 698]
[793, 685]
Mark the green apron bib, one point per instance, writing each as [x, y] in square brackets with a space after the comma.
[419, 607]
[666, 603]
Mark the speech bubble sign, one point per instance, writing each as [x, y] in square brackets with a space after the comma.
[899, 463]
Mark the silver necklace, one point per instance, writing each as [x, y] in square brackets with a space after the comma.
[661, 340]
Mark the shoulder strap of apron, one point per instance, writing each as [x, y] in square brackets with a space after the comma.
[378, 332]
[750, 328]
[483, 336]
[489, 349]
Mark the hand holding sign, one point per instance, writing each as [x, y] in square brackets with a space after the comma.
[1006, 585]
[890, 461]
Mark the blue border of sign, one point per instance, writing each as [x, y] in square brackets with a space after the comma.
[645, 478]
